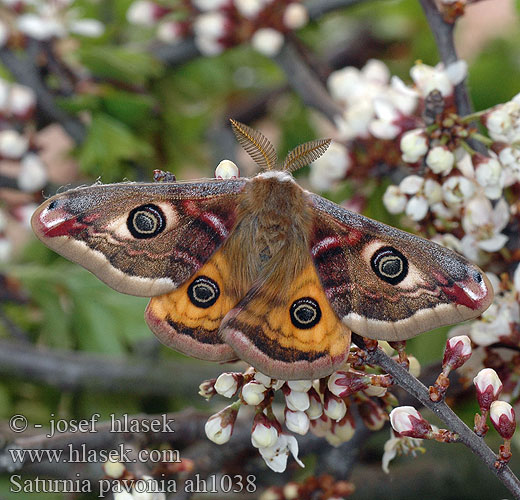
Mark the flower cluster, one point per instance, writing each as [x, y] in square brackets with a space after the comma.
[219, 24]
[42, 20]
[24, 169]
[313, 488]
[319, 406]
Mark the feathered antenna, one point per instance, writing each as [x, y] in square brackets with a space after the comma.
[304, 154]
[256, 145]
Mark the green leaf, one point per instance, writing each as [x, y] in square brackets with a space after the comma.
[132, 109]
[108, 143]
[121, 64]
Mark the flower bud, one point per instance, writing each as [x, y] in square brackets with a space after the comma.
[207, 388]
[394, 200]
[296, 400]
[299, 385]
[503, 417]
[227, 384]
[335, 408]
[320, 426]
[344, 384]
[226, 169]
[145, 13]
[12, 144]
[297, 421]
[372, 414]
[295, 16]
[457, 352]
[267, 41]
[440, 160]
[315, 409]
[219, 427]
[340, 432]
[114, 469]
[253, 393]
[264, 433]
[488, 387]
[414, 145]
[33, 174]
[407, 421]
[22, 101]
[169, 32]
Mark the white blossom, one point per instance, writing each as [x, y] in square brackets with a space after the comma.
[297, 400]
[332, 166]
[297, 421]
[394, 200]
[33, 174]
[12, 144]
[335, 408]
[400, 418]
[217, 431]
[226, 169]
[443, 79]
[249, 8]
[503, 122]
[491, 176]
[457, 190]
[440, 160]
[253, 393]
[295, 16]
[169, 32]
[414, 145]
[276, 456]
[267, 41]
[209, 4]
[264, 436]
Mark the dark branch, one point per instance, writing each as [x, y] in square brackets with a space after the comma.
[72, 371]
[414, 387]
[305, 82]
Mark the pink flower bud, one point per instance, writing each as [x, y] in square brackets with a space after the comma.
[488, 387]
[457, 352]
[219, 427]
[372, 414]
[335, 408]
[407, 421]
[207, 388]
[297, 421]
[264, 433]
[321, 425]
[253, 393]
[344, 384]
[226, 169]
[503, 417]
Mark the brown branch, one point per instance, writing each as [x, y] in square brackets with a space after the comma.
[305, 82]
[414, 387]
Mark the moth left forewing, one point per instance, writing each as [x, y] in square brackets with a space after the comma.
[388, 284]
[140, 239]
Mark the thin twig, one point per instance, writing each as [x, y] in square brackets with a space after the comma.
[443, 34]
[444, 412]
[306, 83]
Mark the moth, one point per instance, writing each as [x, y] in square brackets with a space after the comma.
[259, 268]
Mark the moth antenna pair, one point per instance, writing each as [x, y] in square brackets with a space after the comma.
[264, 154]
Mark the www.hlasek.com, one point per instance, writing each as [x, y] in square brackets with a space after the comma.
[77, 453]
